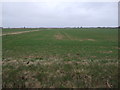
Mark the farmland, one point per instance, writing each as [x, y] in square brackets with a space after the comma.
[60, 58]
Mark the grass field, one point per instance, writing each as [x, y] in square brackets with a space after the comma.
[62, 58]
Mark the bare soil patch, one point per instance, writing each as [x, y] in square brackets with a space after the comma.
[85, 40]
[59, 36]
[90, 39]
[107, 52]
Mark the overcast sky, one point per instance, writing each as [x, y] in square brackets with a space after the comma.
[59, 14]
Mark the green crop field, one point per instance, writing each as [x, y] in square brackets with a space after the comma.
[60, 58]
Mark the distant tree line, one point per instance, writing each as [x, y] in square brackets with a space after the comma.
[54, 27]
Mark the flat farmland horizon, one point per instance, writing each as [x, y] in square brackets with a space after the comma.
[60, 58]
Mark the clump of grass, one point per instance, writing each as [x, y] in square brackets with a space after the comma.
[60, 74]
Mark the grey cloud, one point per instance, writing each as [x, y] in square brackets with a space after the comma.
[60, 14]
